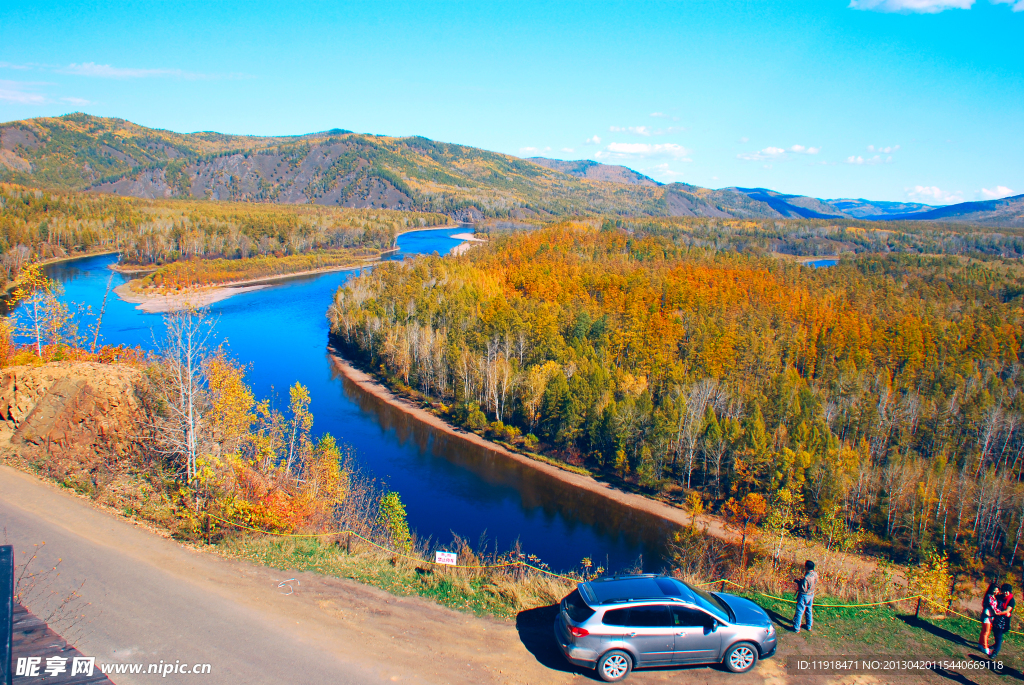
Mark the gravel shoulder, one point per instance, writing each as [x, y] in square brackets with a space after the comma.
[151, 598]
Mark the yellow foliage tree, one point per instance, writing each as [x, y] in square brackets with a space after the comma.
[744, 515]
[933, 580]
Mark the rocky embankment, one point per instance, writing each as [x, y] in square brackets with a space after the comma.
[73, 417]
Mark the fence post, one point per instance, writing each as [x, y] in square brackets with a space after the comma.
[722, 587]
[917, 614]
[6, 612]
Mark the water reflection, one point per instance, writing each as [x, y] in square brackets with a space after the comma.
[538, 492]
[447, 485]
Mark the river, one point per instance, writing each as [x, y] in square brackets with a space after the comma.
[447, 485]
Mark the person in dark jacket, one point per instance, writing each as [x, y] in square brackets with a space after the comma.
[1005, 604]
[805, 596]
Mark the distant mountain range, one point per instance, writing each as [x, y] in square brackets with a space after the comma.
[338, 167]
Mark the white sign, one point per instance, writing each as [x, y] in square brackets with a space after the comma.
[448, 558]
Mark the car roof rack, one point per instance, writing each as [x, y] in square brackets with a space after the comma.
[663, 598]
[624, 576]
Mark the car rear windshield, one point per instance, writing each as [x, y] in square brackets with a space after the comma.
[711, 603]
[577, 609]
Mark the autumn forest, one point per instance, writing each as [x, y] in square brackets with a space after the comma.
[875, 403]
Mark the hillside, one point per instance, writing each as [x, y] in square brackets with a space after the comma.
[345, 169]
[1008, 211]
[585, 168]
[340, 168]
[874, 209]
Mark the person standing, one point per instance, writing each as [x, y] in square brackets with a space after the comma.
[805, 596]
[1001, 623]
[988, 613]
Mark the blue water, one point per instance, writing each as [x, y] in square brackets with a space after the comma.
[448, 487]
[820, 263]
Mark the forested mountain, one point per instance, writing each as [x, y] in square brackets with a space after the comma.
[877, 210]
[882, 395]
[336, 167]
[585, 168]
[1009, 211]
[341, 168]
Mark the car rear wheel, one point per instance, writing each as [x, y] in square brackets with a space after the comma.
[741, 657]
[614, 666]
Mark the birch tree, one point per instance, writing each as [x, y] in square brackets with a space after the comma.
[182, 388]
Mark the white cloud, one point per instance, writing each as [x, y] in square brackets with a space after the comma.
[767, 153]
[568, 149]
[934, 195]
[744, 139]
[909, 6]
[644, 150]
[996, 193]
[20, 97]
[107, 71]
[885, 150]
[14, 91]
[77, 101]
[926, 6]
[659, 115]
[877, 159]
[777, 152]
[662, 171]
[528, 150]
[639, 130]
[593, 140]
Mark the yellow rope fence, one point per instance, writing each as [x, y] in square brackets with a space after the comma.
[524, 564]
[853, 606]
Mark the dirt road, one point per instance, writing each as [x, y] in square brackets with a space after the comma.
[151, 599]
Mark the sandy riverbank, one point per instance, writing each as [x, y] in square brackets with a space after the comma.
[712, 525]
[159, 303]
[156, 302]
[469, 240]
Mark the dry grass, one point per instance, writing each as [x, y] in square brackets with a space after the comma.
[501, 592]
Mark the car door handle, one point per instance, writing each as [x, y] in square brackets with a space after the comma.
[682, 633]
[630, 634]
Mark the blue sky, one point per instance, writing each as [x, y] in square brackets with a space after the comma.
[884, 99]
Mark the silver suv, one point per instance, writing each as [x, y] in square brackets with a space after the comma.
[617, 624]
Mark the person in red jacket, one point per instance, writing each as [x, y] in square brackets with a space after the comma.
[1005, 604]
[988, 614]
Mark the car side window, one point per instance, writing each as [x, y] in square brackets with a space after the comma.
[615, 617]
[690, 618]
[652, 616]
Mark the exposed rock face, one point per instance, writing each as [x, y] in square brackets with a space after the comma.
[83, 413]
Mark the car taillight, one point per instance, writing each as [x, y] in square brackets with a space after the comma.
[576, 631]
